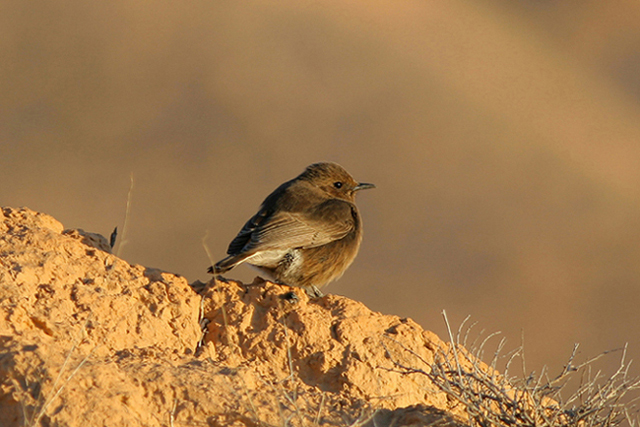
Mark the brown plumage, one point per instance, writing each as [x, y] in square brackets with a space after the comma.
[306, 233]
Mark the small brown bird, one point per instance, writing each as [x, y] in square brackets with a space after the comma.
[306, 233]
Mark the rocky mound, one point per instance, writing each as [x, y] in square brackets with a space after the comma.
[88, 339]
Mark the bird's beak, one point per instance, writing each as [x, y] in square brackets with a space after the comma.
[363, 186]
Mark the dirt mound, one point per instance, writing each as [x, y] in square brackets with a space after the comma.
[88, 339]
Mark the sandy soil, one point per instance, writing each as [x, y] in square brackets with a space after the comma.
[89, 340]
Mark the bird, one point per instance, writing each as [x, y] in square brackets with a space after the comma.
[306, 233]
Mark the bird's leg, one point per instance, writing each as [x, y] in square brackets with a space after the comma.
[313, 291]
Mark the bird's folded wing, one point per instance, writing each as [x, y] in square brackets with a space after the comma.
[331, 221]
[244, 236]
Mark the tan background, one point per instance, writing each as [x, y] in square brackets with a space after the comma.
[504, 138]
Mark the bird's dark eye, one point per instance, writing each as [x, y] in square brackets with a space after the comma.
[337, 184]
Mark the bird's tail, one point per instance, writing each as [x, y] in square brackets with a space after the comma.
[227, 264]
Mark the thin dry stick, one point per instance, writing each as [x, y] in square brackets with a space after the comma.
[206, 246]
[291, 377]
[52, 398]
[62, 368]
[453, 345]
[363, 418]
[275, 395]
[200, 320]
[125, 226]
[524, 365]
[253, 407]
[173, 412]
[55, 383]
[201, 311]
[222, 309]
[317, 421]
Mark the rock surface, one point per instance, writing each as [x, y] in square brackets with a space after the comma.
[88, 339]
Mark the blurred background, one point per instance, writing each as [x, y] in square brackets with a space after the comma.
[504, 138]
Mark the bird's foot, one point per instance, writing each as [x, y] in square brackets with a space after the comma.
[313, 292]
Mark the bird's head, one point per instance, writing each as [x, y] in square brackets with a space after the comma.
[334, 180]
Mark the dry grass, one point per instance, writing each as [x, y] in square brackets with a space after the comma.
[489, 398]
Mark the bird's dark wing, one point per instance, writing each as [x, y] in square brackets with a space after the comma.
[244, 236]
[331, 220]
[237, 245]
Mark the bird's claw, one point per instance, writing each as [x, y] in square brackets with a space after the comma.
[313, 292]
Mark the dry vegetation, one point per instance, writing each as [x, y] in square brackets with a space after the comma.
[491, 398]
